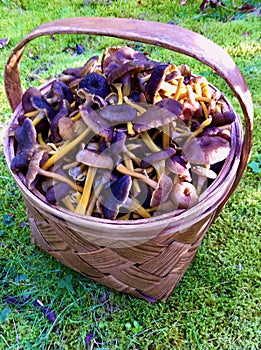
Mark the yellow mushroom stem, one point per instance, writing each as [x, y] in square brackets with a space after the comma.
[32, 114]
[94, 198]
[83, 203]
[149, 142]
[67, 202]
[41, 115]
[60, 178]
[134, 205]
[179, 88]
[135, 185]
[118, 87]
[165, 136]
[40, 139]
[138, 108]
[71, 165]
[130, 128]
[66, 148]
[203, 99]
[200, 128]
[76, 117]
[205, 90]
[122, 169]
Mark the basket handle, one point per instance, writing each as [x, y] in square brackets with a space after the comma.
[169, 36]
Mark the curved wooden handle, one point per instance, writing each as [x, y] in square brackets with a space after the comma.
[161, 34]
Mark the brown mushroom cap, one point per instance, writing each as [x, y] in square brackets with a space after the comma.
[178, 166]
[118, 113]
[25, 136]
[99, 125]
[27, 99]
[156, 116]
[94, 159]
[157, 157]
[161, 193]
[205, 172]
[206, 150]
[184, 195]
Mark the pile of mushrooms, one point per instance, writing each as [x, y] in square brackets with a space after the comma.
[125, 138]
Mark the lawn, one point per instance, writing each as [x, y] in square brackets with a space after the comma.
[45, 305]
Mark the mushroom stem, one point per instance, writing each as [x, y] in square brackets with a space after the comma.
[136, 188]
[140, 109]
[66, 201]
[60, 178]
[66, 149]
[118, 87]
[146, 137]
[122, 169]
[165, 136]
[38, 118]
[134, 205]
[94, 198]
[83, 203]
[31, 114]
[200, 128]
[179, 88]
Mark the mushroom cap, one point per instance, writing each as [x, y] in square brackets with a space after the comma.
[110, 203]
[177, 165]
[61, 91]
[95, 83]
[153, 85]
[99, 125]
[41, 105]
[206, 150]
[121, 113]
[157, 157]
[184, 195]
[25, 136]
[220, 119]
[64, 110]
[205, 172]
[161, 193]
[33, 167]
[94, 159]
[118, 62]
[156, 116]
[27, 99]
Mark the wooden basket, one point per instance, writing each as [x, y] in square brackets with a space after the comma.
[147, 257]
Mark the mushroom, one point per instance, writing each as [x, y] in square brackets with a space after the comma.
[203, 174]
[220, 119]
[156, 116]
[157, 160]
[27, 99]
[120, 113]
[157, 82]
[94, 161]
[90, 66]
[44, 110]
[96, 84]
[162, 191]
[120, 62]
[25, 136]
[64, 110]
[184, 195]
[178, 166]
[206, 150]
[59, 92]
[99, 125]
[109, 204]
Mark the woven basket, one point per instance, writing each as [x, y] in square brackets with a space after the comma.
[147, 257]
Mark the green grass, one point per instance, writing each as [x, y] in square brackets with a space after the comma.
[217, 303]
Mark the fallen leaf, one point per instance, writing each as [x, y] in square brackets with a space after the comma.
[247, 8]
[88, 338]
[48, 313]
[183, 3]
[3, 42]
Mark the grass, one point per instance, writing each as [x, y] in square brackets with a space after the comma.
[216, 305]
